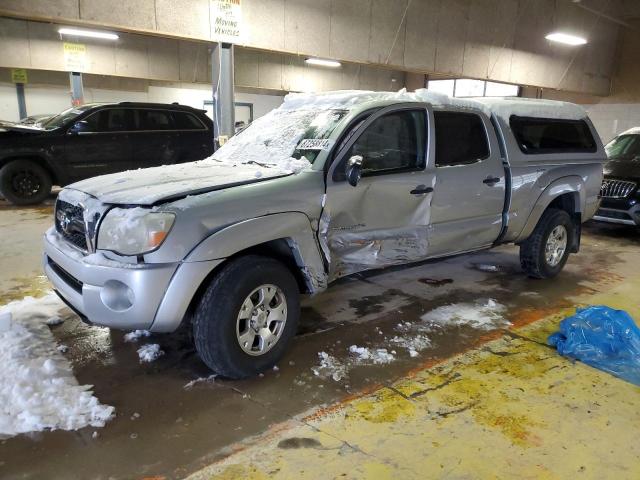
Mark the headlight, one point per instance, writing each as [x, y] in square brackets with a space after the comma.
[134, 231]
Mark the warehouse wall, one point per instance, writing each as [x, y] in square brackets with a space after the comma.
[35, 45]
[501, 40]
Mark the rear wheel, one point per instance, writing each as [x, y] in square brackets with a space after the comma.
[246, 317]
[545, 252]
[24, 182]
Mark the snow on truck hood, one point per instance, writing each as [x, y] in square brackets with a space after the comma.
[149, 185]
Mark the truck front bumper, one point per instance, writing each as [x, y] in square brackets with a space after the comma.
[151, 297]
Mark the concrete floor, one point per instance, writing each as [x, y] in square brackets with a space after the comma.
[476, 404]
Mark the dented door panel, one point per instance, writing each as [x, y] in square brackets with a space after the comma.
[379, 222]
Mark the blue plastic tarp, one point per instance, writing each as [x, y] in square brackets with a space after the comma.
[604, 338]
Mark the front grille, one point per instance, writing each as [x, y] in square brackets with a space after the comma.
[616, 188]
[70, 224]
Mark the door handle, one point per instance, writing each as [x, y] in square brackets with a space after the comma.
[491, 181]
[420, 190]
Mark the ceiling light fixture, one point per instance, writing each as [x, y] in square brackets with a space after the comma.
[322, 62]
[88, 33]
[566, 38]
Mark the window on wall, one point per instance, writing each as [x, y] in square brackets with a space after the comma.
[495, 89]
[467, 87]
[442, 86]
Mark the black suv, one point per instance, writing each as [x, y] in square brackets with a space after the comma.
[620, 193]
[96, 139]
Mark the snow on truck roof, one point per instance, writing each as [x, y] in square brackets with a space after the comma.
[500, 106]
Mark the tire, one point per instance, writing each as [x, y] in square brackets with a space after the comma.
[218, 329]
[533, 255]
[24, 182]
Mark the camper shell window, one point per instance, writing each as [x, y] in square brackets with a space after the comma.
[552, 135]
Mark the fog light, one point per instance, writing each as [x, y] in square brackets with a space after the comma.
[117, 296]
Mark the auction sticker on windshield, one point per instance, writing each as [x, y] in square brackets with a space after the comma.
[314, 144]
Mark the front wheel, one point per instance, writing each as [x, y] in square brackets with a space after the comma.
[545, 252]
[24, 182]
[246, 317]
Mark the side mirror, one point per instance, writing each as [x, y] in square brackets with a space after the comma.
[79, 127]
[353, 170]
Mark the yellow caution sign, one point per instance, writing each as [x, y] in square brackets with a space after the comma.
[18, 75]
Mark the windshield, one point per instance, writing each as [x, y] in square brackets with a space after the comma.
[62, 118]
[624, 147]
[282, 137]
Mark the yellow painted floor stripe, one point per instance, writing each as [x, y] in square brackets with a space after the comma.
[511, 408]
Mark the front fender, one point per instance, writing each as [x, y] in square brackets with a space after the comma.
[293, 227]
[571, 184]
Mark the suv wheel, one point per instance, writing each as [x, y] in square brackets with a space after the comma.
[24, 182]
[246, 317]
[545, 252]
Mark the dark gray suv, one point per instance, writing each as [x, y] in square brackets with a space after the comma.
[96, 139]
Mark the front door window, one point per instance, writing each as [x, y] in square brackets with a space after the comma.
[392, 143]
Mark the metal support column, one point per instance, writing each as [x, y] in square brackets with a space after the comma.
[22, 104]
[223, 96]
[77, 91]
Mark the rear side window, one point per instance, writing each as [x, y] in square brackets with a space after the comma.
[186, 121]
[551, 135]
[461, 138]
[155, 120]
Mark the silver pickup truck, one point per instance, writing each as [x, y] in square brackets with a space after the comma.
[322, 187]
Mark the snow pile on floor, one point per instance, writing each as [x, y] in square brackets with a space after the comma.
[149, 353]
[484, 314]
[136, 335]
[37, 388]
[330, 367]
[414, 342]
[371, 355]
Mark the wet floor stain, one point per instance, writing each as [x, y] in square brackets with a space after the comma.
[299, 442]
[435, 282]
[370, 304]
[312, 321]
[21, 287]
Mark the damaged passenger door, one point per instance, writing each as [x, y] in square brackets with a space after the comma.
[470, 187]
[376, 210]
